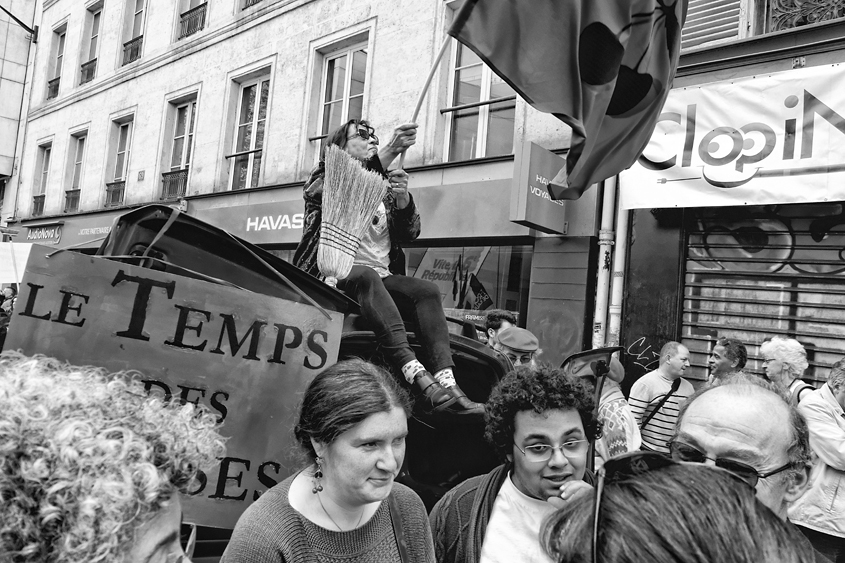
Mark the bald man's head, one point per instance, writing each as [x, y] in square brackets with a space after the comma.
[752, 424]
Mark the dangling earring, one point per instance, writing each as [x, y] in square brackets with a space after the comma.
[318, 475]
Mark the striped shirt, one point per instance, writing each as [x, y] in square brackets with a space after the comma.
[645, 395]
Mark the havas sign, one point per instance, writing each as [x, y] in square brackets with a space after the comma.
[777, 138]
[531, 204]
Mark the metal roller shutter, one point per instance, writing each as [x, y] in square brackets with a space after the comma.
[756, 272]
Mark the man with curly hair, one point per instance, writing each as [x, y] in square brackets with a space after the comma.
[92, 468]
[540, 422]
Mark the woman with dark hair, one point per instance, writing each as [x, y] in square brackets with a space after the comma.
[378, 281]
[650, 508]
[345, 505]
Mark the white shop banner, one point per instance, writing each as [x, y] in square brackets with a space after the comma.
[774, 138]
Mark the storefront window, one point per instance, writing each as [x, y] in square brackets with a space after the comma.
[756, 272]
[473, 279]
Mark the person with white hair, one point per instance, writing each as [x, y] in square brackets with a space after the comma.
[819, 513]
[785, 361]
[91, 468]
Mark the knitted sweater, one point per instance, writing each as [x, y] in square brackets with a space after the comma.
[272, 531]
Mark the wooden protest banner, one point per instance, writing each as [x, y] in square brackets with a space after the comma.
[247, 357]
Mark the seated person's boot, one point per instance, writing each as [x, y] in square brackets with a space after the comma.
[437, 401]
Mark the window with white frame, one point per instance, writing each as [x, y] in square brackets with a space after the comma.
[344, 78]
[42, 175]
[175, 180]
[117, 165]
[78, 148]
[75, 160]
[121, 158]
[89, 48]
[44, 152]
[248, 148]
[134, 30]
[481, 114]
[59, 37]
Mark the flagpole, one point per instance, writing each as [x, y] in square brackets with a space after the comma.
[425, 90]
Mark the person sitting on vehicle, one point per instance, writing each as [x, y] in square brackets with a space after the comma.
[345, 506]
[649, 508]
[497, 320]
[728, 356]
[540, 423]
[378, 281]
[785, 361]
[92, 469]
[518, 345]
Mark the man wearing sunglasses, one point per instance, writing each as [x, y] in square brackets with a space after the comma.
[747, 426]
[540, 422]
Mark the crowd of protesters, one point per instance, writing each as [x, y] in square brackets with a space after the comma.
[746, 468]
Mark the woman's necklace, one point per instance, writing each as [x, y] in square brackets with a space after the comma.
[361, 517]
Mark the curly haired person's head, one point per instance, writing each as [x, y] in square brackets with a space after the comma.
[88, 460]
[541, 421]
[537, 389]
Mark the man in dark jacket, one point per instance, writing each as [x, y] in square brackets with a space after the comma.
[540, 421]
[377, 280]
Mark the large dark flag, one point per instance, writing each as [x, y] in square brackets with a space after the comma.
[603, 67]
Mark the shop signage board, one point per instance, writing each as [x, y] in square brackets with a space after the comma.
[77, 232]
[531, 205]
[246, 356]
[275, 222]
[765, 139]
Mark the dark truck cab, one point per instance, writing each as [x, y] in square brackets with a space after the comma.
[438, 455]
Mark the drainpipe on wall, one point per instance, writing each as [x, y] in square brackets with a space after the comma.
[614, 323]
[605, 252]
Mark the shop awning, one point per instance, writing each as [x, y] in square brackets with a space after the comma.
[765, 139]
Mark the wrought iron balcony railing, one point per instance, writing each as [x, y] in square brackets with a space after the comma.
[192, 21]
[132, 49]
[37, 205]
[249, 3]
[71, 201]
[53, 87]
[174, 184]
[88, 70]
[114, 193]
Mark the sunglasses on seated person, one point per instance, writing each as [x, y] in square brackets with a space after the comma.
[681, 451]
[625, 466]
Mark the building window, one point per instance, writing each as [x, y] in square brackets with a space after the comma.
[710, 22]
[42, 176]
[76, 159]
[132, 47]
[481, 115]
[753, 272]
[115, 189]
[89, 51]
[175, 180]
[344, 77]
[59, 38]
[249, 133]
[249, 3]
[192, 19]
